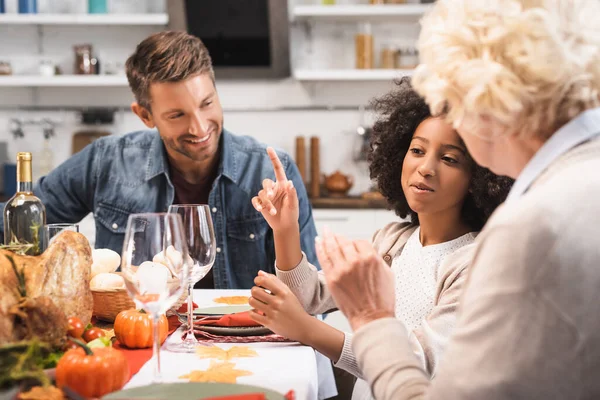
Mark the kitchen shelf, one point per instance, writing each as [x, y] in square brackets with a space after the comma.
[348, 203]
[63, 81]
[84, 19]
[350, 74]
[364, 12]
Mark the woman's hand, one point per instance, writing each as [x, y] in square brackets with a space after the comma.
[279, 310]
[278, 201]
[361, 283]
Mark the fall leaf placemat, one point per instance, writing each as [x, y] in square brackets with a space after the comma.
[232, 300]
[224, 372]
[225, 355]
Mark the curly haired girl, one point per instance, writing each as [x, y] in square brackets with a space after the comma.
[425, 172]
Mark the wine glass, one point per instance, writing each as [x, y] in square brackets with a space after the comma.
[52, 230]
[200, 235]
[154, 281]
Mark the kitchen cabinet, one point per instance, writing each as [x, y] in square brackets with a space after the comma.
[353, 224]
[87, 227]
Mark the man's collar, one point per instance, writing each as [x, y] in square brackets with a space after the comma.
[157, 158]
[228, 161]
[158, 163]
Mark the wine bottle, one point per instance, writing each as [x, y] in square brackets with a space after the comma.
[24, 214]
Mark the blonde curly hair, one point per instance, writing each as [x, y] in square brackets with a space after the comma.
[529, 65]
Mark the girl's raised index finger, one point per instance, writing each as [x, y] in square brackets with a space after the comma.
[277, 166]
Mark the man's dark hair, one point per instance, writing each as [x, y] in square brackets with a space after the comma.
[169, 56]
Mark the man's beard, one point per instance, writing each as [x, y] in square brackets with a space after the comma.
[179, 145]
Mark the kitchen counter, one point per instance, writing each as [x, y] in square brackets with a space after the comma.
[348, 203]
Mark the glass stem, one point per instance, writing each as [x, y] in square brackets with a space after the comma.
[156, 347]
[190, 309]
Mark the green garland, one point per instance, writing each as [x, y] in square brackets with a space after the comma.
[26, 361]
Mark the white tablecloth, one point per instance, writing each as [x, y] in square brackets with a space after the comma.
[279, 366]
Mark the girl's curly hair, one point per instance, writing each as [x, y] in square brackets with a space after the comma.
[399, 114]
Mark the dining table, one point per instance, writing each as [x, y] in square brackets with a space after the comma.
[281, 366]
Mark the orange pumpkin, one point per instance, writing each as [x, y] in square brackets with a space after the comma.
[92, 372]
[133, 328]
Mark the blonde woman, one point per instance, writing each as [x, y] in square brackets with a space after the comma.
[520, 81]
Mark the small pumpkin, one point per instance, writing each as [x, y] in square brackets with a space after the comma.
[133, 328]
[92, 372]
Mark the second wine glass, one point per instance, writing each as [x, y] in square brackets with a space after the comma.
[154, 281]
[200, 235]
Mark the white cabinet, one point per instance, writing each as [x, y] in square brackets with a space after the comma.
[353, 223]
[87, 227]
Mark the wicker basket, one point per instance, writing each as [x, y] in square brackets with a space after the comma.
[108, 303]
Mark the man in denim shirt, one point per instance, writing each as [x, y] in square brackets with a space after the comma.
[187, 158]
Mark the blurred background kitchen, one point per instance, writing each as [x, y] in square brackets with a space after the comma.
[296, 74]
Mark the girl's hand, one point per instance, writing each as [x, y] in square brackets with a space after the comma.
[279, 310]
[278, 201]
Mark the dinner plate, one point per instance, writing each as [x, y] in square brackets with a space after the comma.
[190, 391]
[221, 310]
[234, 330]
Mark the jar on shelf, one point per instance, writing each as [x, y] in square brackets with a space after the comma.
[376, 2]
[5, 68]
[46, 68]
[407, 58]
[83, 59]
[97, 7]
[395, 1]
[388, 57]
[27, 7]
[364, 47]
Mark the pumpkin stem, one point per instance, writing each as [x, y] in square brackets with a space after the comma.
[88, 351]
[142, 311]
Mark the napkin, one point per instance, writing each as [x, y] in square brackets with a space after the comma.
[237, 319]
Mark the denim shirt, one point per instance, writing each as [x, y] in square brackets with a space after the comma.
[116, 176]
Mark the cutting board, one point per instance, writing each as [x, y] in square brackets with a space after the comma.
[83, 138]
